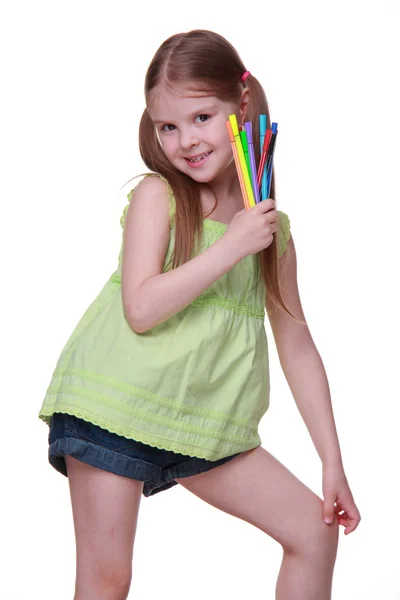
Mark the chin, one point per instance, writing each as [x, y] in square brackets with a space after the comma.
[201, 177]
[206, 176]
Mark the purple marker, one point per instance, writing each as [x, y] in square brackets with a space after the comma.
[249, 132]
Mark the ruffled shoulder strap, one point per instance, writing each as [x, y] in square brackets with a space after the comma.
[171, 198]
[283, 232]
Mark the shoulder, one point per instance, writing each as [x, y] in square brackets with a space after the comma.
[149, 189]
[152, 183]
[152, 194]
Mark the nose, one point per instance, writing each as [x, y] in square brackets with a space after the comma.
[188, 138]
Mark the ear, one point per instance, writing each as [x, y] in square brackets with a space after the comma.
[244, 101]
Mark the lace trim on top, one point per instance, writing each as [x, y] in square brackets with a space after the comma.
[150, 440]
[239, 309]
[215, 226]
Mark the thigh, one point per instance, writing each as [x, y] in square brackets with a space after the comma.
[257, 488]
[105, 509]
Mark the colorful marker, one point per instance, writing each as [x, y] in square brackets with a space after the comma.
[253, 167]
[246, 178]
[245, 146]
[237, 163]
[263, 129]
[261, 166]
[270, 156]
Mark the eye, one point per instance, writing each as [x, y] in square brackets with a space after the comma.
[203, 118]
[168, 126]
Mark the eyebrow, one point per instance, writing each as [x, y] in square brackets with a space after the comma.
[200, 111]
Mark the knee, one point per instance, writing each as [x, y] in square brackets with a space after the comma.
[106, 584]
[317, 542]
[118, 589]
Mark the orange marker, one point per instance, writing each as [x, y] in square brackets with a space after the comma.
[238, 167]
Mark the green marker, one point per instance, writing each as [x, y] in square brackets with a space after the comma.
[243, 137]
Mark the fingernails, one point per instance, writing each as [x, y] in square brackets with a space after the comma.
[328, 520]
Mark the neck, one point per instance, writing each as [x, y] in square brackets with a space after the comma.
[226, 188]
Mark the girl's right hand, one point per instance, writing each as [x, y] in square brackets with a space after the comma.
[252, 230]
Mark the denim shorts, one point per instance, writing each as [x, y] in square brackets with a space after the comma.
[98, 447]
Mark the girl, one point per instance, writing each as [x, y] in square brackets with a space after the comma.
[165, 378]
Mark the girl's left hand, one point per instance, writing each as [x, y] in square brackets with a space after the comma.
[336, 490]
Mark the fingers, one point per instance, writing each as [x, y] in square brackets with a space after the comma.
[349, 519]
[265, 205]
[272, 218]
[329, 509]
[341, 515]
[352, 519]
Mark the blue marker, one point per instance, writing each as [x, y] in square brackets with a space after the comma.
[263, 129]
[270, 157]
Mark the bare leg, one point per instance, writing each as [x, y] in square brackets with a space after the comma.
[105, 508]
[257, 488]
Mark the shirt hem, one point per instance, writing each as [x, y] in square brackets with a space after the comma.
[153, 440]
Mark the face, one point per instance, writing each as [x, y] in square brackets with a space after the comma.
[191, 128]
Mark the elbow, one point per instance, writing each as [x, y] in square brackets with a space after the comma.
[295, 352]
[134, 309]
[136, 317]
[135, 322]
[139, 311]
[136, 326]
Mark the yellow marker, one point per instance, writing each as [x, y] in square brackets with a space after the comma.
[237, 164]
[245, 173]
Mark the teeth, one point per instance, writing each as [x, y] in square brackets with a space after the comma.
[198, 158]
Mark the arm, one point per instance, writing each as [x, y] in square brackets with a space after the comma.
[302, 364]
[149, 296]
[305, 374]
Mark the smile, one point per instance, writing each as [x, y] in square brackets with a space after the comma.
[198, 160]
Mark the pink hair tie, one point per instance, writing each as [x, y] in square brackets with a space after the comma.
[245, 75]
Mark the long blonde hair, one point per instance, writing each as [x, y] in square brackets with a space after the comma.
[208, 61]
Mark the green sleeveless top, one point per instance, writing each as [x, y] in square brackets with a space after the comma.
[197, 384]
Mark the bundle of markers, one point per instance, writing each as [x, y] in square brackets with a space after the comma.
[255, 181]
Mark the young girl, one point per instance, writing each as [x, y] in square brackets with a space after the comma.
[165, 378]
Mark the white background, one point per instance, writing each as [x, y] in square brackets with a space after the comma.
[72, 78]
